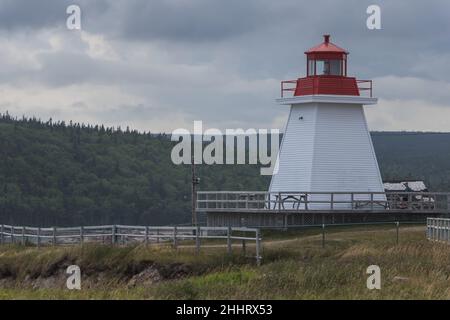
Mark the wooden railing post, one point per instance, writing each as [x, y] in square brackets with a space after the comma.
[113, 234]
[175, 244]
[447, 231]
[81, 235]
[23, 236]
[146, 235]
[39, 237]
[434, 229]
[258, 247]
[2, 229]
[430, 228]
[397, 224]
[437, 230]
[54, 236]
[13, 230]
[323, 235]
[229, 245]
[197, 240]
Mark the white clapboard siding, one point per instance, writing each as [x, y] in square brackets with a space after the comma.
[327, 148]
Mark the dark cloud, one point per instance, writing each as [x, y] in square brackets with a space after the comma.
[221, 60]
[197, 20]
[19, 14]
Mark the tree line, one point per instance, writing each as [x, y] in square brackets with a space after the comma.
[58, 173]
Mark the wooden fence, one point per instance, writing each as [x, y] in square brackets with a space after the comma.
[438, 229]
[119, 234]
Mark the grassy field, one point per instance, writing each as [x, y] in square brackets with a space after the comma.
[295, 266]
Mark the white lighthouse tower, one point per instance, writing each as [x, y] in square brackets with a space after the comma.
[327, 146]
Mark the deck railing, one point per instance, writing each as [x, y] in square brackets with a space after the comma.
[438, 229]
[322, 201]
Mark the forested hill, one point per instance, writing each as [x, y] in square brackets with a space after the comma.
[72, 174]
[414, 155]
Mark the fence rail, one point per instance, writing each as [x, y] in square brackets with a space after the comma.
[437, 202]
[438, 229]
[120, 234]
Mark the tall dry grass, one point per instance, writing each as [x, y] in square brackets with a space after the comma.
[295, 266]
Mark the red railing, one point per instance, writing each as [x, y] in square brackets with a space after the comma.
[368, 86]
[291, 86]
[283, 89]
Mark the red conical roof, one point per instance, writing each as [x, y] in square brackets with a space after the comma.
[326, 47]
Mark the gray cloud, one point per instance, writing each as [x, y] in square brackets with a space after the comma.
[199, 20]
[164, 63]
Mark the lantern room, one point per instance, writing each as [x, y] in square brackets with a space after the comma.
[326, 74]
[326, 59]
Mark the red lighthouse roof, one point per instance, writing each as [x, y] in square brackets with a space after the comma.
[327, 47]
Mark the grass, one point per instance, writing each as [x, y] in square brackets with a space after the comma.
[295, 266]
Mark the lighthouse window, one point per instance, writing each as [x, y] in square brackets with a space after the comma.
[335, 67]
[320, 67]
[329, 67]
[311, 70]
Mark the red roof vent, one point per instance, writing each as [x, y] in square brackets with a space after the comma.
[326, 47]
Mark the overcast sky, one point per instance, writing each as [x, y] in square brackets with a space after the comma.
[159, 65]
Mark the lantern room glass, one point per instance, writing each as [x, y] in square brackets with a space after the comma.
[326, 67]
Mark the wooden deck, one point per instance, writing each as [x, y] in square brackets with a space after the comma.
[284, 209]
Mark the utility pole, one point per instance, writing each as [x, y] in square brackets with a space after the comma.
[195, 182]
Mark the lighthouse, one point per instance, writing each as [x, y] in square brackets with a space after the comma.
[326, 145]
